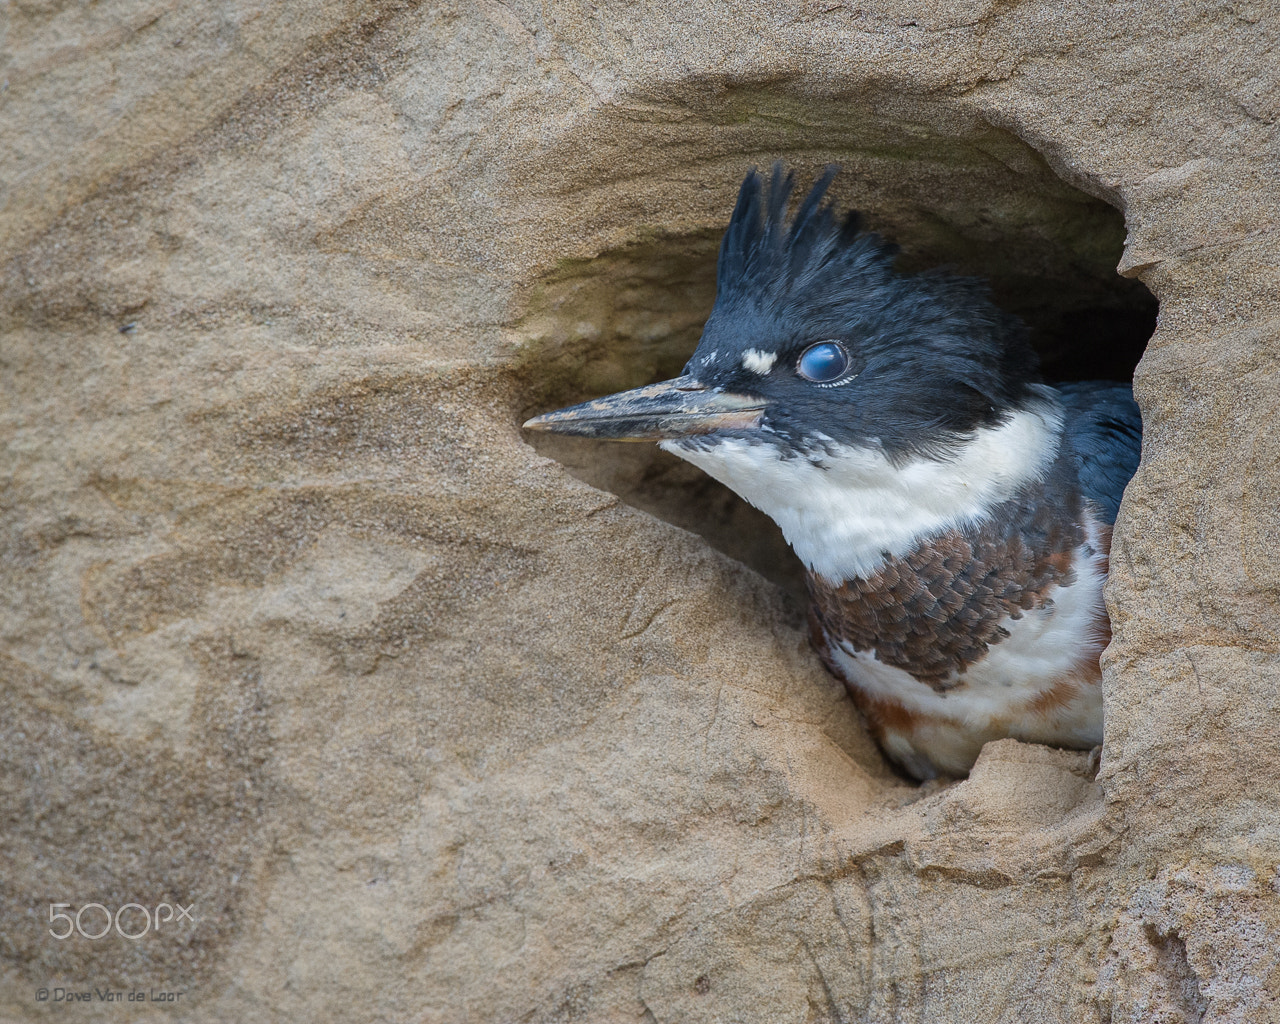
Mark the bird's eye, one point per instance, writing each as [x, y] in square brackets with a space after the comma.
[823, 362]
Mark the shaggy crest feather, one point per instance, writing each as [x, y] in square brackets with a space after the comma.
[766, 262]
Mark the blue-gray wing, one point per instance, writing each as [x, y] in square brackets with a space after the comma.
[1104, 429]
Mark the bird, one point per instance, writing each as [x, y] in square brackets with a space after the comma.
[953, 511]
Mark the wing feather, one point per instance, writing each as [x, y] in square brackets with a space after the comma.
[1104, 429]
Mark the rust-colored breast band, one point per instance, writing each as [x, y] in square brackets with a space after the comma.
[937, 610]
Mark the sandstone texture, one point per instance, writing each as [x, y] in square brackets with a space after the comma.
[433, 726]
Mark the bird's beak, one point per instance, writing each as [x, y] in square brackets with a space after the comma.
[674, 408]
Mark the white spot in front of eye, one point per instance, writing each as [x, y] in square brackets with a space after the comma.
[758, 362]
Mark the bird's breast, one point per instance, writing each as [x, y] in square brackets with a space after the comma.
[939, 609]
[975, 634]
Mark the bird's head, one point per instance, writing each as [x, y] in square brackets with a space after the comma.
[817, 354]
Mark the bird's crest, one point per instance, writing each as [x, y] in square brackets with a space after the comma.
[811, 259]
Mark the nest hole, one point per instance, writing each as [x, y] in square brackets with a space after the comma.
[987, 206]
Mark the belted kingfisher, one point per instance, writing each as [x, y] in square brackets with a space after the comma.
[954, 513]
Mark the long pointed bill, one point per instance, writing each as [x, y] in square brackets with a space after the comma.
[674, 408]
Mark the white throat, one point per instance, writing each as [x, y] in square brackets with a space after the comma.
[849, 510]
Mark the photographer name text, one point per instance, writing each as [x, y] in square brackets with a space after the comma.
[109, 995]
